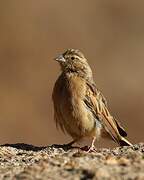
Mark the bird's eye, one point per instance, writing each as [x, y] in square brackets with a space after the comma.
[72, 58]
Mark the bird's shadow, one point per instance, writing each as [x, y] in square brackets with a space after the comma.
[24, 146]
[29, 147]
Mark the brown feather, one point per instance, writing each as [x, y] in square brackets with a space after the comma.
[99, 105]
[56, 98]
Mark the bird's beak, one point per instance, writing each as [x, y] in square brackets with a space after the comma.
[60, 58]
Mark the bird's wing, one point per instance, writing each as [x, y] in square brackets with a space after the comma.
[98, 105]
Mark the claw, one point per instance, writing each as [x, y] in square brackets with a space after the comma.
[90, 148]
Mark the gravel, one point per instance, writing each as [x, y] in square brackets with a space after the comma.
[22, 161]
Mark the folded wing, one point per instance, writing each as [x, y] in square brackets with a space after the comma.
[98, 105]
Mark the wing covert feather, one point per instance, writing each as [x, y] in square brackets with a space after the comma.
[98, 105]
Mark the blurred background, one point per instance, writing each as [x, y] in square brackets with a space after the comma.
[32, 33]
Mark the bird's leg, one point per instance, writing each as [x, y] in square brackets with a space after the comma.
[92, 147]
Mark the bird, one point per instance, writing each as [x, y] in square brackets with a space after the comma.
[80, 109]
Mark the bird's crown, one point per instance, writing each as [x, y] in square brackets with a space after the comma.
[75, 52]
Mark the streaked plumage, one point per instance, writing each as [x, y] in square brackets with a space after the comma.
[79, 107]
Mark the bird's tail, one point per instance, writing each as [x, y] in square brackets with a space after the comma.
[124, 142]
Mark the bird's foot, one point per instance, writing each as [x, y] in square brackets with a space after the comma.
[88, 149]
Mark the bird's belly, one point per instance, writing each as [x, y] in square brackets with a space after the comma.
[79, 121]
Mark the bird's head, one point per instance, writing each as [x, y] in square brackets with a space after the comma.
[73, 60]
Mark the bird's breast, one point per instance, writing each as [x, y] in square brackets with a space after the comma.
[77, 119]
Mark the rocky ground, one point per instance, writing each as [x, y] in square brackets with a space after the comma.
[21, 161]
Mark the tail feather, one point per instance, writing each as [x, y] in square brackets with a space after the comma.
[124, 142]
